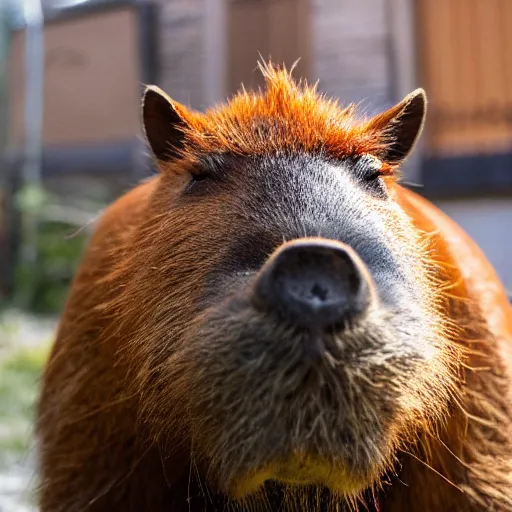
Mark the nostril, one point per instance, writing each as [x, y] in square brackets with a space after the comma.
[310, 292]
[315, 294]
[319, 293]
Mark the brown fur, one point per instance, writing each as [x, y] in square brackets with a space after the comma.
[106, 439]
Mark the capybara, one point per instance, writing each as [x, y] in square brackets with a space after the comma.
[273, 323]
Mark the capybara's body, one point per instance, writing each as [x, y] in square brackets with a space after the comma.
[274, 323]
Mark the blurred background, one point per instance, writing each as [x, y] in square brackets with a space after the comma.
[71, 76]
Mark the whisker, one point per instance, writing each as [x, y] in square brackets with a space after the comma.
[446, 479]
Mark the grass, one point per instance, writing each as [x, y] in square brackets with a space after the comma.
[20, 371]
[25, 340]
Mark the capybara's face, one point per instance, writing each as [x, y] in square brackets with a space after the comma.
[291, 331]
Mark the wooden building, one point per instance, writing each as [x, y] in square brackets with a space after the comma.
[99, 54]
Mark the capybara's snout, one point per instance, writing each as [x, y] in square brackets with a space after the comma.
[314, 283]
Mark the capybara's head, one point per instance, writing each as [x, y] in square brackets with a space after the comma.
[283, 310]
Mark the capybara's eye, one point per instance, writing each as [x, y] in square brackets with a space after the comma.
[373, 174]
[200, 176]
[369, 168]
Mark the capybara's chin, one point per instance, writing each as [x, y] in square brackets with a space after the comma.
[270, 400]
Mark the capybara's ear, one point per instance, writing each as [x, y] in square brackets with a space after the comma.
[164, 122]
[401, 126]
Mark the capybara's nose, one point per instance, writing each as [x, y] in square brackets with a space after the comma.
[314, 282]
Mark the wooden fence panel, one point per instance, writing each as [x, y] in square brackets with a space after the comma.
[272, 28]
[465, 64]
